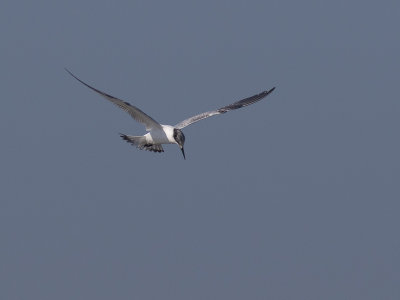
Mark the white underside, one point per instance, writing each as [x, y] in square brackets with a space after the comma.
[164, 136]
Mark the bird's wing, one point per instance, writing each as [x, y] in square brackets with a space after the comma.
[222, 110]
[135, 112]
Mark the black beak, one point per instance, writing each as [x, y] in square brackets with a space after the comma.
[183, 152]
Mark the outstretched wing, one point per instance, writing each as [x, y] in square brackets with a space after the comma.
[222, 110]
[135, 112]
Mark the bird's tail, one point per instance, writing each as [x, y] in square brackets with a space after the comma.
[137, 141]
[140, 143]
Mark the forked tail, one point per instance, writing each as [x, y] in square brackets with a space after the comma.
[140, 143]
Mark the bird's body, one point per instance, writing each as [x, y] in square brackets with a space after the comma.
[164, 136]
[159, 134]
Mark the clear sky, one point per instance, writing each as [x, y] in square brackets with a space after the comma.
[295, 197]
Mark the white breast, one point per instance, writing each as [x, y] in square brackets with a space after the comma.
[165, 136]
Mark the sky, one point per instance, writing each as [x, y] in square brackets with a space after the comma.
[295, 197]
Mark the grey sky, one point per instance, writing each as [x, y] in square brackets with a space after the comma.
[295, 197]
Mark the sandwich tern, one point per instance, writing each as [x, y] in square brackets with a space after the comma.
[159, 134]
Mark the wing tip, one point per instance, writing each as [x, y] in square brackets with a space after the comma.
[69, 72]
[271, 90]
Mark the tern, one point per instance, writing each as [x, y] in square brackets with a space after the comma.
[159, 134]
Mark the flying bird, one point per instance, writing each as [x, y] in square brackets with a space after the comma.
[159, 134]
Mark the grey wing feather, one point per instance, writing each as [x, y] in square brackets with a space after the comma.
[133, 111]
[222, 110]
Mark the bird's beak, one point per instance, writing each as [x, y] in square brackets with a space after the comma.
[183, 152]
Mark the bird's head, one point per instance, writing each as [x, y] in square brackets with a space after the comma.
[180, 140]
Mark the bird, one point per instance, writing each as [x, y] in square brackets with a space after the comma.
[159, 134]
